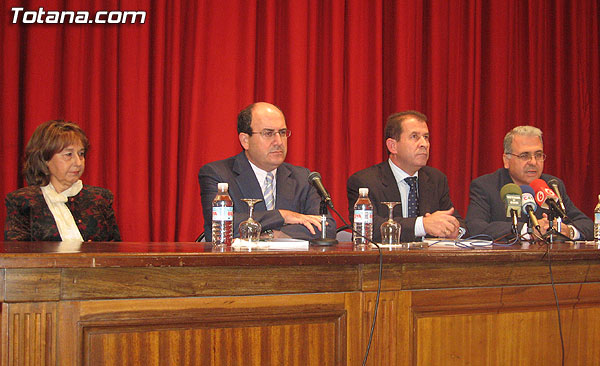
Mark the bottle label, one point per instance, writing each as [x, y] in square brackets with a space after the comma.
[596, 217]
[363, 216]
[222, 214]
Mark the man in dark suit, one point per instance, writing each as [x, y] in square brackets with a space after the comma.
[523, 163]
[426, 208]
[290, 206]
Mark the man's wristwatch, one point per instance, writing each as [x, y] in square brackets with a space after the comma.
[571, 232]
[267, 234]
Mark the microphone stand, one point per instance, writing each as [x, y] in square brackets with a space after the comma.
[531, 231]
[515, 225]
[323, 240]
[552, 234]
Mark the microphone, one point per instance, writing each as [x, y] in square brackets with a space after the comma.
[511, 195]
[546, 198]
[529, 205]
[554, 184]
[315, 179]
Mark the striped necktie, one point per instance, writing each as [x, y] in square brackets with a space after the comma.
[269, 196]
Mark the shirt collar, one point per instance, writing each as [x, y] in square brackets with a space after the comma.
[262, 174]
[400, 174]
[63, 196]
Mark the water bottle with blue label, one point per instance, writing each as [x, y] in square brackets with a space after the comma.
[363, 218]
[222, 216]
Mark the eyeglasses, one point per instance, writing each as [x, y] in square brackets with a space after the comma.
[269, 134]
[539, 156]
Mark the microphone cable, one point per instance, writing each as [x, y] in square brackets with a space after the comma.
[498, 242]
[552, 283]
[494, 242]
[378, 284]
[505, 241]
[562, 342]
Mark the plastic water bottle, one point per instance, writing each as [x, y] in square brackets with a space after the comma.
[597, 221]
[363, 218]
[222, 216]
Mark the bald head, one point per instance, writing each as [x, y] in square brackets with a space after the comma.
[265, 152]
[245, 116]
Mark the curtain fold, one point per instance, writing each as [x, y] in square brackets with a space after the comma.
[158, 100]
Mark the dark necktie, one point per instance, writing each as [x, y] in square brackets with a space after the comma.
[413, 204]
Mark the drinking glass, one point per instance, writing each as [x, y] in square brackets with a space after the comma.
[250, 229]
[390, 230]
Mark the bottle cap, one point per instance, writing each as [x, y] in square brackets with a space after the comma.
[363, 191]
[222, 186]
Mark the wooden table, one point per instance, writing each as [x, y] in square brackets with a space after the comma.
[186, 304]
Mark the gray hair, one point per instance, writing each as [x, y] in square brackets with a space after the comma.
[521, 131]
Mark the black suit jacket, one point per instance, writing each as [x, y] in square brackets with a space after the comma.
[487, 214]
[433, 196]
[29, 218]
[294, 193]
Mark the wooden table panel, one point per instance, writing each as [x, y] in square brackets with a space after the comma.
[32, 284]
[508, 338]
[99, 283]
[254, 330]
[185, 304]
[31, 329]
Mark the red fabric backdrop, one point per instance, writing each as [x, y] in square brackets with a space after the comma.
[158, 100]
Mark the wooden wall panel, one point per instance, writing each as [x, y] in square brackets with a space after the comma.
[583, 344]
[30, 338]
[512, 338]
[506, 326]
[392, 336]
[286, 344]
[254, 330]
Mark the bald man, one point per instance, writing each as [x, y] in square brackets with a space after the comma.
[290, 204]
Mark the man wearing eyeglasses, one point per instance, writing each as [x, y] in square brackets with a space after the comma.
[523, 163]
[290, 204]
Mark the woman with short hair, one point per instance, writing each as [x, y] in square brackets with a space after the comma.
[57, 206]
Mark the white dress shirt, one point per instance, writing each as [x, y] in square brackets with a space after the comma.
[404, 188]
[261, 175]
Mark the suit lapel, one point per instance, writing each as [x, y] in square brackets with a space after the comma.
[426, 190]
[285, 188]
[390, 190]
[246, 180]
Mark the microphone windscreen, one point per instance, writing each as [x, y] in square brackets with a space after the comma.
[542, 192]
[527, 197]
[511, 195]
[313, 175]
[510, 188]
[525, 188]
[553, 183]
[528, 201]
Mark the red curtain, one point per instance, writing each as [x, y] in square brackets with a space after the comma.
[159, 100]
